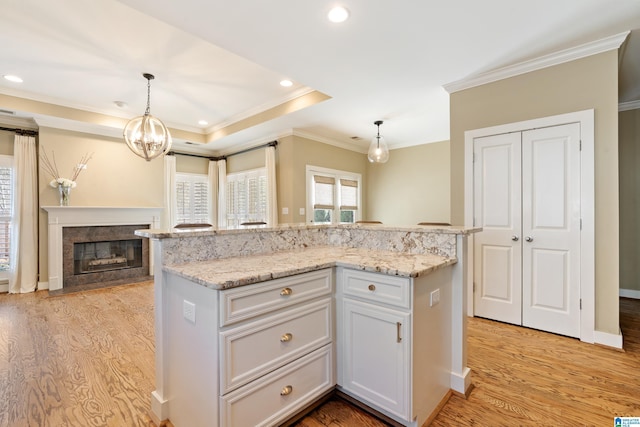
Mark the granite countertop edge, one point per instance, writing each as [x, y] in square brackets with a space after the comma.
[227, 273]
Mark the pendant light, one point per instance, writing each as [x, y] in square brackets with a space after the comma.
[146, 135]
[378, 150]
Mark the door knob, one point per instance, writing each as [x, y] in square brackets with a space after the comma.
[529, 239]
[515, 238]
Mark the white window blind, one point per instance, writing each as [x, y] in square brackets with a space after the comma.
[324, 188]
[348, 195]
[247, 197]
[192, 198]
[6, 212]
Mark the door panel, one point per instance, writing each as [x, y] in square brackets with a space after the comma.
[497, 206]
[551, 229]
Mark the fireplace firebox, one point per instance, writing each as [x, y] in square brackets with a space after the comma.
[101, 254]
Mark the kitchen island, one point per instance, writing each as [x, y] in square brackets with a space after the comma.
[254, 325]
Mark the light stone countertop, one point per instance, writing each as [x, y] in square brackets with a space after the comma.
[228, 273]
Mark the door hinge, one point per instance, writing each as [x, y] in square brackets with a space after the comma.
[473, 158]
[474, 286]
[580, 303]
[580, 223]
[580, 145]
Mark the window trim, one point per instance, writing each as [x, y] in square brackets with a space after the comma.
[338, 176]
[192, 178]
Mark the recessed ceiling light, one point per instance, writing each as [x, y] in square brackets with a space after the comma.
[120, 104]
[286, 83]
[13, 78]
[338, 14]
[203, 122]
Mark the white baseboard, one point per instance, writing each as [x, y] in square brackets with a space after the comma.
[461, 382]
[43, 285]
[4, 287]
[607, 339]
[630, 293]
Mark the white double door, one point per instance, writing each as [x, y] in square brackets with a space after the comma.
[527, 200]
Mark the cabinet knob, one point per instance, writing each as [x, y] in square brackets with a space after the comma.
[372, 287]
[286, 337]
[286, 390]
[529, 239]
[286, 292]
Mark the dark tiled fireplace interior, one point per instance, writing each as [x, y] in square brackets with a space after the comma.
[103, 255]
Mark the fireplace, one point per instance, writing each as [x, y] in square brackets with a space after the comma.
[93, 245]
[99, 254]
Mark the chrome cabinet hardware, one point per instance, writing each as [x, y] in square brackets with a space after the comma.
[515, 238]
[529, 239]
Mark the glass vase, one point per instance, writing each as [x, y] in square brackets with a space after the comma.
[65, 194]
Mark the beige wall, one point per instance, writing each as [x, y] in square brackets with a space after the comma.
[412, 187]
[629, 146]
[192, 164]
[253, 159]
[114, 177]
[583, 84]
[6, 142]
[294, 154]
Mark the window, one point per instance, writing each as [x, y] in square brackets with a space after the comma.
[192, 198]
[6, 212]
[332, 196]
[246, 197]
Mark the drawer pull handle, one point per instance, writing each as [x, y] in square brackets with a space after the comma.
[286, 390]
[286, 337]
[398, 326]
[372, 287]
[286, 292]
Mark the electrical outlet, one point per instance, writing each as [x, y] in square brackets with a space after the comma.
[189, 311]
[301, 211]
[285, 211]
[435, 297]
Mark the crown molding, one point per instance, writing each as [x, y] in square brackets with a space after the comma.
[77, 126]
[18, 122]
[331, 141]
[561, 57]
[631, 105]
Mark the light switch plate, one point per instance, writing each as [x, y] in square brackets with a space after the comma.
[301, 211]
[434, 297]
[285, 211]
[189, 311]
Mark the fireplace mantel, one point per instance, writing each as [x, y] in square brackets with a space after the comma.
[78, 216]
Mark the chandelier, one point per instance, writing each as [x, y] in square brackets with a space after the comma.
[146, 135]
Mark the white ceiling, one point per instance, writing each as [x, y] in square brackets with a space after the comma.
[222, 60]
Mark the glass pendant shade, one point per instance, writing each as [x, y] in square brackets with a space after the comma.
[146, 135]
[378, 150]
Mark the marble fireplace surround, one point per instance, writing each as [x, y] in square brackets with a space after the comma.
[60, 217]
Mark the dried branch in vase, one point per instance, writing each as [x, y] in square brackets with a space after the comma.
[50, 167]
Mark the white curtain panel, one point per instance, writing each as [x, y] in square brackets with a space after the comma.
[272, 192]
[23, 264]
[213, 192]
[169, 217]
[222, 193]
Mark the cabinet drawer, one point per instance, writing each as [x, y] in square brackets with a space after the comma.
[278, 395]
[381, 288]
[253, 300]
[254, 349]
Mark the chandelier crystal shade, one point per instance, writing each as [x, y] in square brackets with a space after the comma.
[146, 135]
[378, 150]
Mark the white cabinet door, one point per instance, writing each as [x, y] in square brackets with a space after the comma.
[376, 358]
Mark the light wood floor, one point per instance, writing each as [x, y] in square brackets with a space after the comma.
[86, 359]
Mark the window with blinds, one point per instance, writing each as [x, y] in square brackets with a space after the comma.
[332, 196]
[247, 197]
[6, 212]
[192, 198]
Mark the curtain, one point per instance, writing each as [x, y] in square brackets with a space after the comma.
[213, 192]
[169, 220]
[222, 193]
[272, 194]
[23, 263]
